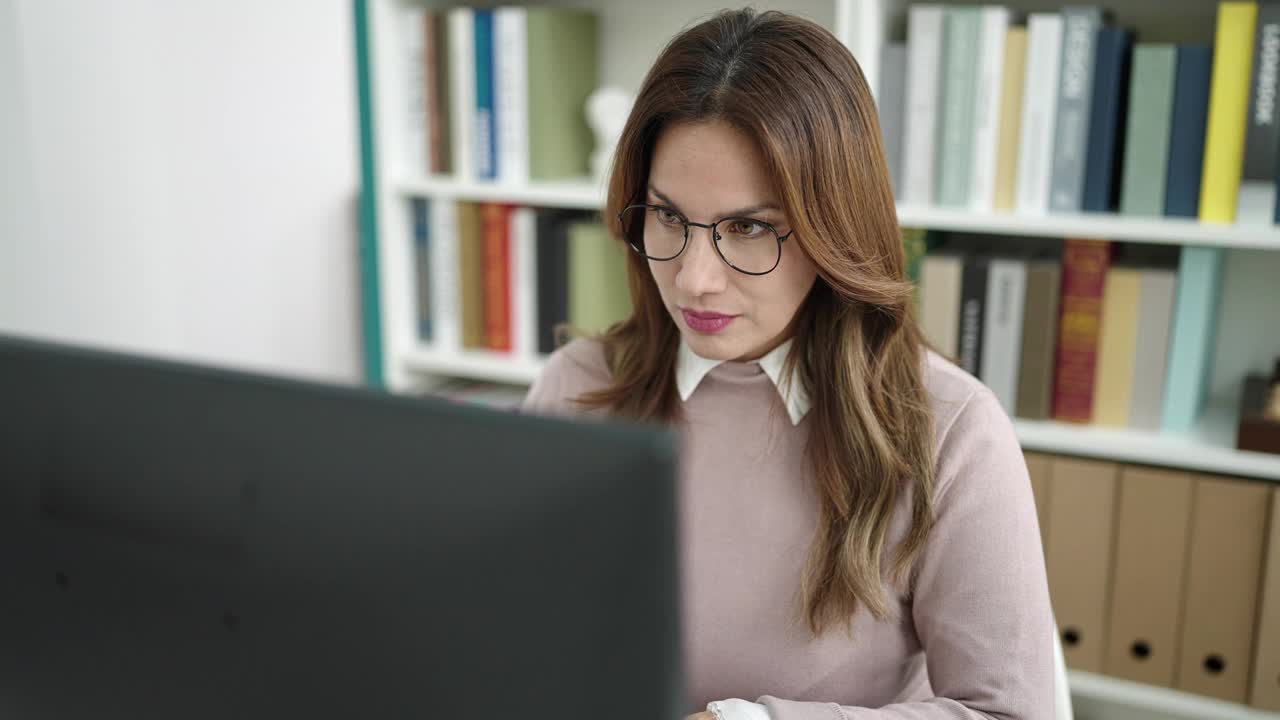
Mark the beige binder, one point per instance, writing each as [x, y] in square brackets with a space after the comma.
[1039, 468]
[1153, 524]
[1266, 662]
[1081, 521]
[1227, 529]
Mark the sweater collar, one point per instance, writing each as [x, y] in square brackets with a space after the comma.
[691, 368]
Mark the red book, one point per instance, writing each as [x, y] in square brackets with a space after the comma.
[495, 223]
[1084, 276]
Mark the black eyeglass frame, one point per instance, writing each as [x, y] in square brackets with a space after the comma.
[715, 236]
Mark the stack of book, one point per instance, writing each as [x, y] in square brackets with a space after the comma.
[498, 277]
[499, 94]
[1067, 114]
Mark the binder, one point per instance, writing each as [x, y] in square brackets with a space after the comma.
[1082, 495]
[1223, 571]
[1153, 525]
[1039, 468]
[1266, 662]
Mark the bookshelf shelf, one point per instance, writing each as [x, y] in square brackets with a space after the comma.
[590, 194]
[1104, 698]
[474, 365]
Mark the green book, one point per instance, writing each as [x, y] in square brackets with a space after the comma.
[598, 293]
[961, 31]
[1146, 152]
[562, 71]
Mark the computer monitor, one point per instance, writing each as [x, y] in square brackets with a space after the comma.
[187, 542]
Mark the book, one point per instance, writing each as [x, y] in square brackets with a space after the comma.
[1039, 339]
[552, 232]
[1187, 131]
[471, 275]
[495, 221]
[1107, 120]
[524, 281]
[446, 320]
[462, 92]
[920, 123]
[1155, 314]
[438, 96]
[973, 300]
[563, 66]
[416, 159]
[1256, 199]
[486, 131]
[1039, 112]
[987, 104]
[1075, 100]
[1002, 329]
[962, 27]
[598, 291]
[940, 281]
[420, 210]
[1117, 349]
[1147, 132]
[1015, 67]
[511, 93]
[1192, 337]
[1084, 274]
[893, 80]
[1228, 104]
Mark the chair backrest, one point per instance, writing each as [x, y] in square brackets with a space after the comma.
[1061, 684]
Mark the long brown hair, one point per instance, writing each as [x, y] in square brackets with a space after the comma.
[798, 92]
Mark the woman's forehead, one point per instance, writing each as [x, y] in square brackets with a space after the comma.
[709, 167]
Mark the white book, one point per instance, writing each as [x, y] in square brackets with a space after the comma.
[924, 50]
[446, 320]
[1156, 297]
[1039, 112]
[511, 93]
[986, 118]
[416, 151]
[1002, 330]
[524, 282]
[462, 90]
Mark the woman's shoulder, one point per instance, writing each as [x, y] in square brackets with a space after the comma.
[957, 398]
[576, 368]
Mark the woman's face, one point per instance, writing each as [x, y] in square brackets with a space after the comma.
[706, 171]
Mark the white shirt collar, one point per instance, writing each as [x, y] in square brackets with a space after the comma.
[691, 368]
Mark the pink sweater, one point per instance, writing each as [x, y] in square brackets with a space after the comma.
[975, 639]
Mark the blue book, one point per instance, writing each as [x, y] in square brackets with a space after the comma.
[1186, 132]
[422, 265]
[1107, 119]
[1075, 97]
[486, 128]
[1191, 337]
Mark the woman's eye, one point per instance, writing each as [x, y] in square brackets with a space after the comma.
[746, 228]
[667, 217]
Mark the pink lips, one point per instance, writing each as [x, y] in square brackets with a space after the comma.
[706, 322]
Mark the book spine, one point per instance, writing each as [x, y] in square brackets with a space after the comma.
[1039, 340]
[1002, 327]
[988, 97]
[439, 105]
[462, 86]
[511, 100]
[551, 229]
[1187, 130]
[1108, 113]
[1155, 314]
[1256, 200]
[893, 82]
[444, 281]
[973, 298]
[1039, 112]
[1015, 67]
[563, 65]
[940, 282]
[1228, 105]
[422, 263]
[1075, 97]
[1146, 150]
[497, 276]
[524, 282]
[1084, 275]
[924, 49]
[1113, 388]
[1195, 315]
[471, 275]
[961, 26]
[485, 131]
[416, 116]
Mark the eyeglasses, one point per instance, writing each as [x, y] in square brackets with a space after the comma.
[750, 246]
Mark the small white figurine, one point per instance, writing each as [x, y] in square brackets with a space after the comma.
[607, 111]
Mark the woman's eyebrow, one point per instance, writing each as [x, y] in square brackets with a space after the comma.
[732, 213]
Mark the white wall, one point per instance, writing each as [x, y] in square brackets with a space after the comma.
[180, 178]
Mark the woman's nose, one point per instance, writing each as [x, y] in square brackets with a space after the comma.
[702, 271]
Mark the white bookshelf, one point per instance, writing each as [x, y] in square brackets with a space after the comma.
[631, 36]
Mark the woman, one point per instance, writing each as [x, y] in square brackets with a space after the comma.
[859, 535]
